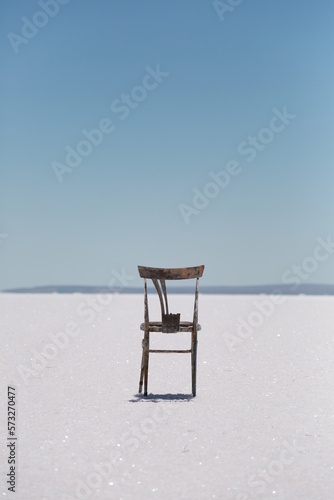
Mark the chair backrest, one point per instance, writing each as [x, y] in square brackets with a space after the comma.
[176, 273]
[170, 322]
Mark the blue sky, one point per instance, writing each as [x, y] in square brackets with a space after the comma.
[200, 88]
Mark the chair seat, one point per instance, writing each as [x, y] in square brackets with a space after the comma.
[156, 326]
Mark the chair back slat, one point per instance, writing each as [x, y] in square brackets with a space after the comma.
[157, 287]
[164, 289]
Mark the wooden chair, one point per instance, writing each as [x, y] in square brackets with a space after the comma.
[170, 323]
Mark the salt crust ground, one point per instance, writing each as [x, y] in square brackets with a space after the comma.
[261, 426]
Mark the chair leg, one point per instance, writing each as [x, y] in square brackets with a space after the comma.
[194, 363]
[142, 371]
[146, 365]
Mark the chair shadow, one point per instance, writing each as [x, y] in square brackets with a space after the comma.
[155, 398]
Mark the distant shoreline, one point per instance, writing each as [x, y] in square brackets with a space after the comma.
[283, 289]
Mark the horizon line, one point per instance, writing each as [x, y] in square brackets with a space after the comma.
[283, 288]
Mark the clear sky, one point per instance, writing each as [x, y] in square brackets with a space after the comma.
[214, 143]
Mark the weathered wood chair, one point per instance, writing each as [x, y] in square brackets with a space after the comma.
[170, 323]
